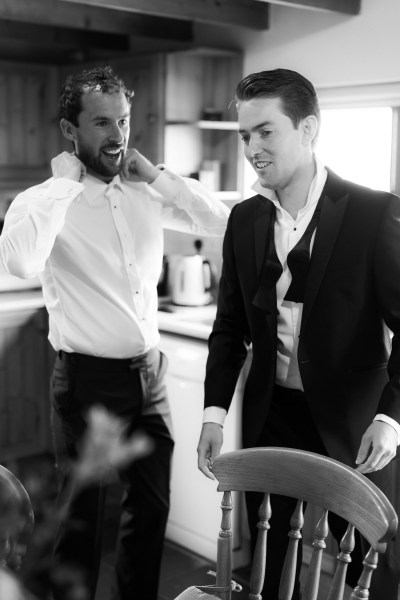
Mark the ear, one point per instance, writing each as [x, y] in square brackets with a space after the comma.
[68, 129]
[310, 129]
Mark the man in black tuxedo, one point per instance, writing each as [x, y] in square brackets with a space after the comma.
[311, 280]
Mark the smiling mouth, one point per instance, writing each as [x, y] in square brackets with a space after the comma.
[113, 153]
[261, 164]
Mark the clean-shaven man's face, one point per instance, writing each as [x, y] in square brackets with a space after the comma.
[276, 150]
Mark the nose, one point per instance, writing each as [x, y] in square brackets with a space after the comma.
[117, 134]
[254, 147]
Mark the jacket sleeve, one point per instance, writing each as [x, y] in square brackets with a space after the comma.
[387, 277]
[229, 339]
[32, 223]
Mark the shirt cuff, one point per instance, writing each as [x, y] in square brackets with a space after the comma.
[166, 184]
[390, 421]
[214, 414]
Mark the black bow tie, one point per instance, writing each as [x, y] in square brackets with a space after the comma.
[298, 260]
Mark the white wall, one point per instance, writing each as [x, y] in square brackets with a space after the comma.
[329, 48]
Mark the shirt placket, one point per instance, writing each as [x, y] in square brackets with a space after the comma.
[115, 197]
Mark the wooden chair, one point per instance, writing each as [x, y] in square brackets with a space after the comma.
[16, 519]
[309, 477]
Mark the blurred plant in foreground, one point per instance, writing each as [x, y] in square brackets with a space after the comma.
[106, 448]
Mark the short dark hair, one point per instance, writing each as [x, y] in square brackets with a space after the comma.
[297, 94]
[100, 79]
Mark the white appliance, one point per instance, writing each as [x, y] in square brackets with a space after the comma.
[192, 279]
[195, 514]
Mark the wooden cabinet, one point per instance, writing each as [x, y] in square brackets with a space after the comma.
[200, 133]
[26, 361]
[28, 123]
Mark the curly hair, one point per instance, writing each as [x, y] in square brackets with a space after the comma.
[101, 79]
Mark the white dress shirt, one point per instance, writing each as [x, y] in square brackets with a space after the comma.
[288, 231]
[98, 250]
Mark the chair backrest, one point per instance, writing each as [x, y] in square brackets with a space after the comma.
[16, 519]
[313, 478]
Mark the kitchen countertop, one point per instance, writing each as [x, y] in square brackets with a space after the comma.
[195, 322]
[189, 321]
[21, 300]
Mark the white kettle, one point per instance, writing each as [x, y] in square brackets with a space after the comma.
[192, 279]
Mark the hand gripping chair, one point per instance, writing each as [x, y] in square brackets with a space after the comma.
[309, 477]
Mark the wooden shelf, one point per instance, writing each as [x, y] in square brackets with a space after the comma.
[205, 124]
[222, 125]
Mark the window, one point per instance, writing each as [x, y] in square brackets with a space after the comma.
[356, 143]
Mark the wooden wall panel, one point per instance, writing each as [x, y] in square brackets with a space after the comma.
[28, 110]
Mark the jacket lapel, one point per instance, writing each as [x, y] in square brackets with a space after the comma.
[333, 209]
[262, 225]
[268, 267]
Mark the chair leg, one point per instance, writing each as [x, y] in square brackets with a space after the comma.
[224, 549]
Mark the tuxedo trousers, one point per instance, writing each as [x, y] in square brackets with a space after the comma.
[290, 424]
[133, 390]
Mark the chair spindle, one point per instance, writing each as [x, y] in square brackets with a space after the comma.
[289, 567]
[339, 579]
[314, 569]
[361, 591]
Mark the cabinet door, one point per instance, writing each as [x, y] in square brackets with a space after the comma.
[195, 514]
[25, 365]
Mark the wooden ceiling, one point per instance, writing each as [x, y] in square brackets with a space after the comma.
[68, 31]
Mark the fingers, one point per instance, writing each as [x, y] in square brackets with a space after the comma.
[209, 447]
[378, 447]
[205, 467]
[137, 167]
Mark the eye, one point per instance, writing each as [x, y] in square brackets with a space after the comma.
[124, 123]
[245, 139]
[266, 132]
[101, 123]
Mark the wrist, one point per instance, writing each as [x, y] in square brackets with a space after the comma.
[153, 176]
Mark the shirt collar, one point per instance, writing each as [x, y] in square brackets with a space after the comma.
[95, 188]
[314, 192]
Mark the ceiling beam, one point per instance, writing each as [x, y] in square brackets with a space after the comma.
[42, 35]
[349, 7]
[243, 13]
[92, 18]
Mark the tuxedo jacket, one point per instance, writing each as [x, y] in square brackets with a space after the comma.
[349, 365]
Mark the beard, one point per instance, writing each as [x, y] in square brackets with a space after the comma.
[99, 163]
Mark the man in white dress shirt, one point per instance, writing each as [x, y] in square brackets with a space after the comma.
[94, 234]
[311, 279]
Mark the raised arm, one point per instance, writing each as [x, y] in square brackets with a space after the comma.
[36, 217]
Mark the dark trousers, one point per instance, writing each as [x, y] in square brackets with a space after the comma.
[134, 390]
[290, 424]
